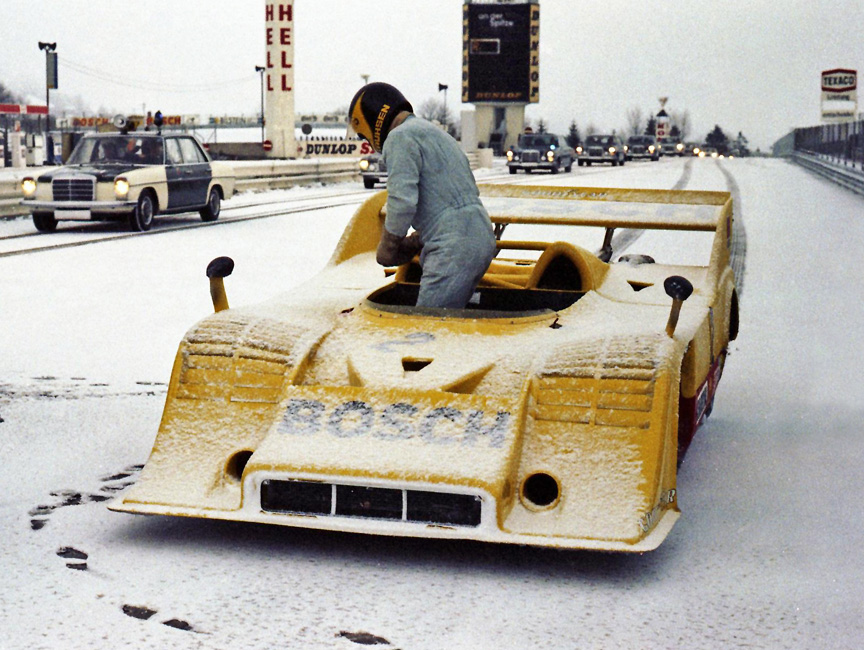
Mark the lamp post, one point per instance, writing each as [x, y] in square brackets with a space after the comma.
[260, 70]
[444, 110]
[50, 82]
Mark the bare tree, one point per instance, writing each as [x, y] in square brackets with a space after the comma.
[435, 110]
[591, 129]
[634, 121]
[682, 121]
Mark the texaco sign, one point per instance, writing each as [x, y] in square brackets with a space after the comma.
[839, 95]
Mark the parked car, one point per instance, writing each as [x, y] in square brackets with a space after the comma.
[540, 151]
[373, 170]
[643, 146]
[602, 149]
[131, 176]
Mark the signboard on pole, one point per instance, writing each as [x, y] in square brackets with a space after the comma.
[839, 95]
[501, 52]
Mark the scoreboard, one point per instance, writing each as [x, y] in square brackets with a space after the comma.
[501, 52]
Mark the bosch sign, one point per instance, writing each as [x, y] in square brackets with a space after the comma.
[839, 80]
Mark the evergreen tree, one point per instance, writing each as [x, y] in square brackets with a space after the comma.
[718, 140]
[541, 126]
[651, 127]
[573, 137]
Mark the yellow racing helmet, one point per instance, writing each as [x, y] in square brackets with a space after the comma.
[373, 110]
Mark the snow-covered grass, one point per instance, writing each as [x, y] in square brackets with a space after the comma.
[766, 554]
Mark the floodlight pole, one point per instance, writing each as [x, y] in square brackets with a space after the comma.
[48, 47]
[260, 70]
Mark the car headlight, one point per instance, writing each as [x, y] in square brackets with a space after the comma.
[364, 165]
[121, 187]
[509, 156]
[696, 150]
[651, 148]
[550, 156]
[701, 154]
[679, 147]
[612, 150]
[28, 186]
[578, 149]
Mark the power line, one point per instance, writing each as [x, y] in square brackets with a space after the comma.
[125, 81]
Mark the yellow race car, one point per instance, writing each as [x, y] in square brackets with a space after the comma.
[552, 411]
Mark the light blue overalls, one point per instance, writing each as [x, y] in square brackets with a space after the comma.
[431, 188]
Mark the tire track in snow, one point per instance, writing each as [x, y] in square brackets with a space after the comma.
[738, 244]
[627, 236]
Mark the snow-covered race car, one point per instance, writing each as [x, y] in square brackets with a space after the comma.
[552, 411]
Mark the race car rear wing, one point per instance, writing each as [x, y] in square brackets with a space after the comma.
[579, 206]
[606, 207]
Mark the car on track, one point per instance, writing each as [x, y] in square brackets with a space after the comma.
[535, 151]
[552, 411]
[373, 170]
[643, 146]
[672, 147]
[602, 149]
[132, 177]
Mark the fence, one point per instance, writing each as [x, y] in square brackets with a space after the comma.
[839, 144]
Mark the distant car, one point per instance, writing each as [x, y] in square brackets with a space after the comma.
[540, 151]
[672, 148]
[708, 152]
[131, 176]
[602, 149]
[373, 170]
[643, 146]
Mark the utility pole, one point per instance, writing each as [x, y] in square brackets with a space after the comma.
[260, 70]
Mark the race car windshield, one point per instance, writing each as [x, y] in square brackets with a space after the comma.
[600, 139]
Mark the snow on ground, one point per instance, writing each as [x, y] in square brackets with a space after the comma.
[766, 554]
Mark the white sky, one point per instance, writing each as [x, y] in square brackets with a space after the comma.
[747, 65]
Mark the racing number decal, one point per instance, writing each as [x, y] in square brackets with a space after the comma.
[399, 421]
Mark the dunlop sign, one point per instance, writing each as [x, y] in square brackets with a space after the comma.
[839, 95]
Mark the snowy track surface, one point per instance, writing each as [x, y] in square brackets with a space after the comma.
[767, 553]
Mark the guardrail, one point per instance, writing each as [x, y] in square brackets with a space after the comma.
[251, 175]
[824, 165]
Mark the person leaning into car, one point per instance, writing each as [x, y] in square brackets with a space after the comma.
[430, 187]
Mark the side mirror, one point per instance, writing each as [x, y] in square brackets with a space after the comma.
[219, 268]
[679, 289]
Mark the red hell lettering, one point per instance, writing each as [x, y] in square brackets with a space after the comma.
[285, 85]
[269, 36]
[269, 85]
[268, 13]
[286, 12]
[285, 36]
[285, 63]
[269, 63]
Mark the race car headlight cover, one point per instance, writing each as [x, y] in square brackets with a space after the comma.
[121, 188]
[28, 186]
[612, 150]
[364, 165]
